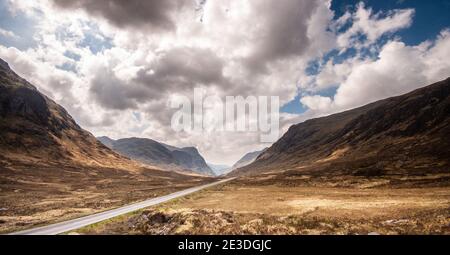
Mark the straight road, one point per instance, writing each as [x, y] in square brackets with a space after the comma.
[69, 225]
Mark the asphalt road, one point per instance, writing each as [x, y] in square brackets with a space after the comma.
[69, 225]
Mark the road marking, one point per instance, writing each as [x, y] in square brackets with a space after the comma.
[69, 225]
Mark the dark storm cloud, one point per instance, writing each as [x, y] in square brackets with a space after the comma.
[280, 34]
[284, 31]
[129, 13]
[175, 71]
[110, 92]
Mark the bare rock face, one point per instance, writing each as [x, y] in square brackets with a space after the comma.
[408, 134]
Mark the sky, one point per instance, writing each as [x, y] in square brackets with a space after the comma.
[116, 65]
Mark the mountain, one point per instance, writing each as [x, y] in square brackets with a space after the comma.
[154, 153]
[190, 158]
[36, 130]
[108, 142]
[219, 169]
[404, 135]
[143, 150]
[247, 159]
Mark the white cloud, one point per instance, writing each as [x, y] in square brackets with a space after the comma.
[144, 66]
[319, 30]
[317, 103]
[371, 25]
[391, 74]
[333, 74]
[244, 48]
[7, 33]
[397, 69]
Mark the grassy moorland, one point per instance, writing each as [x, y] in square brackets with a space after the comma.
[248, 207]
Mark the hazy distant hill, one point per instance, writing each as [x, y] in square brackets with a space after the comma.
[219, 169]
[247, 159]
[151, 152]
[408, 134]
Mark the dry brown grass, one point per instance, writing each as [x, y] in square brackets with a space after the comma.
[235, 208]
[205, 221]
[34, 196]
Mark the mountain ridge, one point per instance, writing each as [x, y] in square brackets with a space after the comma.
[151, 152]
[407, 134]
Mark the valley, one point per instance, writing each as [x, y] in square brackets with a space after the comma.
[382, 168]
[379, 169]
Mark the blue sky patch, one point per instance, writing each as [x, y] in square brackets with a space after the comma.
[428, 21]
[95, 41]
[22, 26]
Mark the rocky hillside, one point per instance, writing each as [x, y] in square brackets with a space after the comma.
[404, 135]
[34, 129]
[153, 153]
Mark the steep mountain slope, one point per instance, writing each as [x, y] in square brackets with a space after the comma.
[190, 158]
[34, 129]
[408, 134]
[144, 150]
[158, 154]
[247, 159]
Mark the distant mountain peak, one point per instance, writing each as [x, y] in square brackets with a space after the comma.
[192, 150]
[152, 152]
